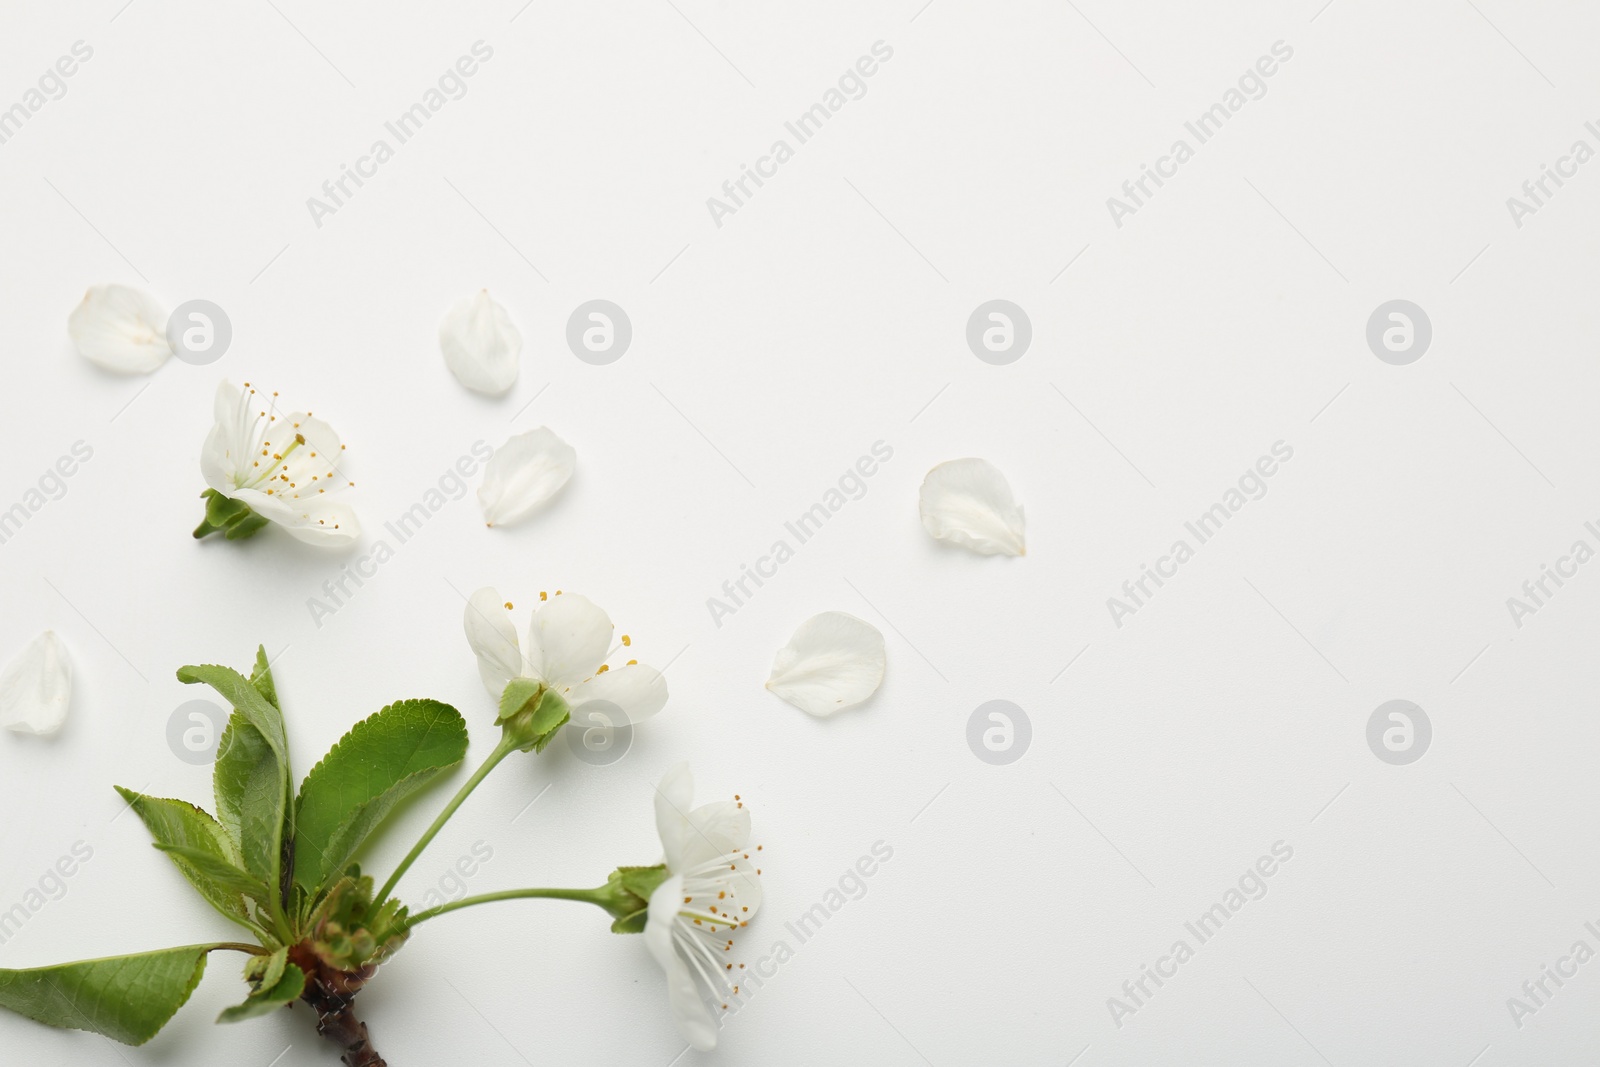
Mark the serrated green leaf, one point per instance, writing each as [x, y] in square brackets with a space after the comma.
[269, 996]
[222, 874]
[237, 690]
[261, 678]
[252, 773]
[199, 847]
[376, 765]
[126, 998]
[251, 800]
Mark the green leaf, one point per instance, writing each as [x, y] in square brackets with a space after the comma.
[251, 799]
[268, 997]
[126, 998]
[358, 783]
[201, 849]
[246, 699]
[220, 873]
[252, 773]
[261, 678]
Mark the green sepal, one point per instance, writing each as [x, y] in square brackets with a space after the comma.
[530, 715]
[126, 998]
[627, 896]
[246, 527]
[517, 696]
[227, 516]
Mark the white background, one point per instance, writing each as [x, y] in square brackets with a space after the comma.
[826, 314]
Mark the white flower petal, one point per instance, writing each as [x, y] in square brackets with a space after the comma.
[315, 520]
[282, 466]
[36, 687]
[120, 329]
[568, 640]
[694, 1019]
[674, 799]
[715, 829]
[493, 639]
[481, 346]
[523, 473]
[968, 502]
[834, 661]
[634, 689]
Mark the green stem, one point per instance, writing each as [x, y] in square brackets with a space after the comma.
[591, 896]
[501, 751]
[239, 946]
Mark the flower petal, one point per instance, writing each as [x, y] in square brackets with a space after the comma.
[633, 689]
[36, 687]
[120, 329]
[493, 640]
[568, 640]
[693, 1018]
[968, 502]
[834, 661]
[317, 521]
[715, 830]
[480, 345]
[523, 473]
[674, 799]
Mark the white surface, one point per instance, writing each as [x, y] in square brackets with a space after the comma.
[1175, 750]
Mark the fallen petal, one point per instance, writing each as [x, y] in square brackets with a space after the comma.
[120, 329]
[968, 502]
[480, 345]
[36, 687]
[523, 473]
[834, 661]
